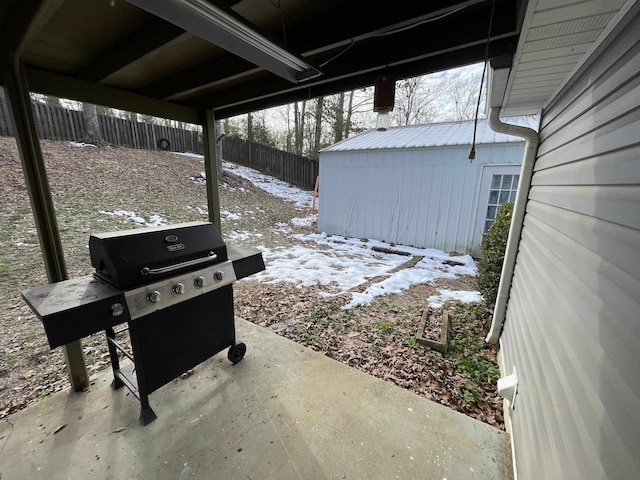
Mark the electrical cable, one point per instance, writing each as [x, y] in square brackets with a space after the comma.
[353, 42]
[391, 32]
[472, 153]
[417, 24]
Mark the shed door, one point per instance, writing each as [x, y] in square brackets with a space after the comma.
[499, 185]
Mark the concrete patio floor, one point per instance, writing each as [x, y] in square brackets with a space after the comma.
[284, 412]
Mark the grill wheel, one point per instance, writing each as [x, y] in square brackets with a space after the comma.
[236, 352]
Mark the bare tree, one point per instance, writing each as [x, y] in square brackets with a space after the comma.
[219, 132]
[318, 127]
[347, 123]
[90, 115]
[299, 124]
[338, 124]
[341, 116]
[52, 101]
[250, 127]
[464, 95]
[417, 100]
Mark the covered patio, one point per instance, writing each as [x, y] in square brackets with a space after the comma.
[197, 61]
[284, 412]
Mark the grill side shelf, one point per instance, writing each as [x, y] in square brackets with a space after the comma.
[74, 309]
[246, 261]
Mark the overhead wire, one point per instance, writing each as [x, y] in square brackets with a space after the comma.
[472, 153]
[390, 32]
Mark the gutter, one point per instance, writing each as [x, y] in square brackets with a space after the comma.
[532, 139]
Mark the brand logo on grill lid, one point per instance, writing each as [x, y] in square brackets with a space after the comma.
[175, 247]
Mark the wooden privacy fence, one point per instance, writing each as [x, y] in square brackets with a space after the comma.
[58, 123]
[289, 167]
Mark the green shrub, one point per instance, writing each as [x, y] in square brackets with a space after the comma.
[493, 247]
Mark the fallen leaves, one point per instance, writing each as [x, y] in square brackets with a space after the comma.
[377, 339]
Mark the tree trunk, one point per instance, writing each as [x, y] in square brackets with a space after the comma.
[347, 123]
[53, 101]
[250, 127]
[338, 127]
[318, 130]
[219, 134]
[299, 115]
[90, 115]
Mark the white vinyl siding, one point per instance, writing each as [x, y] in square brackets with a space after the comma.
[572, 328]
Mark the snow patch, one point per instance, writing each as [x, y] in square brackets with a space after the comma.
[154, 220]
[436, 301]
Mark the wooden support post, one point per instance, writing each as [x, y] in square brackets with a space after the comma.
[24, 128]
[211, 167]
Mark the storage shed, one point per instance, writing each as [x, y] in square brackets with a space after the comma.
[415, 185]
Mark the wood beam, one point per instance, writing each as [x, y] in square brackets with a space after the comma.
[211, 167]
[62, 86]
[27, 18]
[196, 77]
[268, 92]
[24, 128]
[153, 36]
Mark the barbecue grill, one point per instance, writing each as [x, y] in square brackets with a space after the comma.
[170, 285]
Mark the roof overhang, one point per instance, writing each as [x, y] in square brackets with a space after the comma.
[238, 56]
[557, 37]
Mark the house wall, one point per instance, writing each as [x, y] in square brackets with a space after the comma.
[425, 197]
[572, 328]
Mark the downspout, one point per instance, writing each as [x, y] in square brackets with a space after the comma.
[532, 140]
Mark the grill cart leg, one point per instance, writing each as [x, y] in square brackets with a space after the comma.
[138, 386]
[147, 415]
[142, 392]
[113, 355]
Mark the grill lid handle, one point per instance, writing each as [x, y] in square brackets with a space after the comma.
[170, 268]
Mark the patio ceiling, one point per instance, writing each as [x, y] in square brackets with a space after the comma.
[126, 55]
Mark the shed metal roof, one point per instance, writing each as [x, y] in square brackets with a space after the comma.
[431, 135]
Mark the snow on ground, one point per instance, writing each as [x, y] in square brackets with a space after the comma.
[154, 220]
[277, 188]
[203, 210]
[189, 154]
[230, 216]
[348, 262]
[436, 301]
[304, 221]
[241, 235]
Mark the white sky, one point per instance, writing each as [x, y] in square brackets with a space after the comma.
[339, 263]
[367, 118]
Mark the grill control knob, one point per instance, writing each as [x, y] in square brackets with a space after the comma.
[219, 275]
[153, 297]
[117, 309]
[178, 289]
[199, 282]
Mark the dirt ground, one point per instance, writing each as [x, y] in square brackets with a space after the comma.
[90, 184]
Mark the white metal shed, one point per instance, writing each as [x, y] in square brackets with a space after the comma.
[415, 185]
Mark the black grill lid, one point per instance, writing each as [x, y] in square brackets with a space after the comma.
[130, 258]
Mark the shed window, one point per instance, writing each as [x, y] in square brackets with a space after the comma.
[503, 190]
